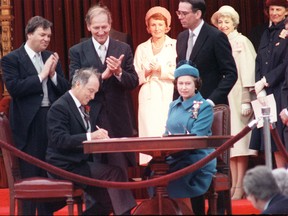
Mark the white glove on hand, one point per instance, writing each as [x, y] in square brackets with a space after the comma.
[246, 109]
[259, 86]
[261, 97]
[210, 102]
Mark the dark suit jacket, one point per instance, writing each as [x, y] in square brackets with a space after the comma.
[66, 132]
[23, 84]
[212, 56]
[278, 205]
[111, 108]
[113, 95]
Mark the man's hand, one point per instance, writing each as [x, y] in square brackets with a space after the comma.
[106, 74]
[55, 59]
[49, 66]
[114, 64]
[99, 134]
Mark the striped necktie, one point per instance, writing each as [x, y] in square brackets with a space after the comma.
[86, 116]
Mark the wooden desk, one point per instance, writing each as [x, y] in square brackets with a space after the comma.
[159, 147]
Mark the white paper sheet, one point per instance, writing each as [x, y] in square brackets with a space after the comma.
[268, 101]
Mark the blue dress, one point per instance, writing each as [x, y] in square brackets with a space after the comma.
[180, 120]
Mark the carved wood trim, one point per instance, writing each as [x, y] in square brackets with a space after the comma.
[6, 19]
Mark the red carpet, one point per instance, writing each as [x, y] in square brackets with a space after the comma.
[239, 207]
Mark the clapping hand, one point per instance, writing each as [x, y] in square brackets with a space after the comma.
[113, 66]
[154, 66]
[49, 66]
[55, 59]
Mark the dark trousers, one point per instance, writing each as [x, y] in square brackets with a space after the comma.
[102, 200]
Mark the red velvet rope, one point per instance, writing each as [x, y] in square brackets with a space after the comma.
[124, 185]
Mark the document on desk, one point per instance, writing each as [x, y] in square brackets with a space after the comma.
[144, 158]
[268, 101]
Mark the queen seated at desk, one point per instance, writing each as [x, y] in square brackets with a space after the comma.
[190, 114]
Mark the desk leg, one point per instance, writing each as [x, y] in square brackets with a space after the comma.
[161, 204]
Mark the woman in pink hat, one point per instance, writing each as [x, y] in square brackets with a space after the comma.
[155, 62]
[226, 19]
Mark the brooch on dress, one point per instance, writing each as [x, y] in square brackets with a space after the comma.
[284, 34]
[195, 109]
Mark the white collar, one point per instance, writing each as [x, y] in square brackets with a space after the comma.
[97, 44]
[197, 30]
[77, 102]
[31, 53]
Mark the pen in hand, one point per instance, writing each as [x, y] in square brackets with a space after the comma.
[98, 128]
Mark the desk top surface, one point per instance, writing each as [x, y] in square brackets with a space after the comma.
[150, 144]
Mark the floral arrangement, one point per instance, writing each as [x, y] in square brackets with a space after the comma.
[87, 109]
[195, 109]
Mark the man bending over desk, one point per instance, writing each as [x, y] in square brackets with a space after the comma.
[68, 126]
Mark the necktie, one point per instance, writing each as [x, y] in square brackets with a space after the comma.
[102, 53]
[38, 62]
[86, 116]
[189, 46]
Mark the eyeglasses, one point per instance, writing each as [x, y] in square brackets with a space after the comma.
[183, 13]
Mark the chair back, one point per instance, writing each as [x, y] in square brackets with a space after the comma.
[221, 122]
[11, 162]
[221, 126]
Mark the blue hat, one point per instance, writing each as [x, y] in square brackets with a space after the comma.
[186, 69]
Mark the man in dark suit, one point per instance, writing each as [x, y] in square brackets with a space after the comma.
[67, 129]
[110, 108]
[34, 79]
[209, 50]
[263, 192]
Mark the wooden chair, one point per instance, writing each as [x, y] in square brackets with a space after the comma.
[34, 188]
[222, 179]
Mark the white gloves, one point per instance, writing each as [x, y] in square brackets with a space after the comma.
[261, 97]
[246, 109]
[259, 86]
[210, 102]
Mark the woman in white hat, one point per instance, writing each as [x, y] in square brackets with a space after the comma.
[155, 62]
[226, 19]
